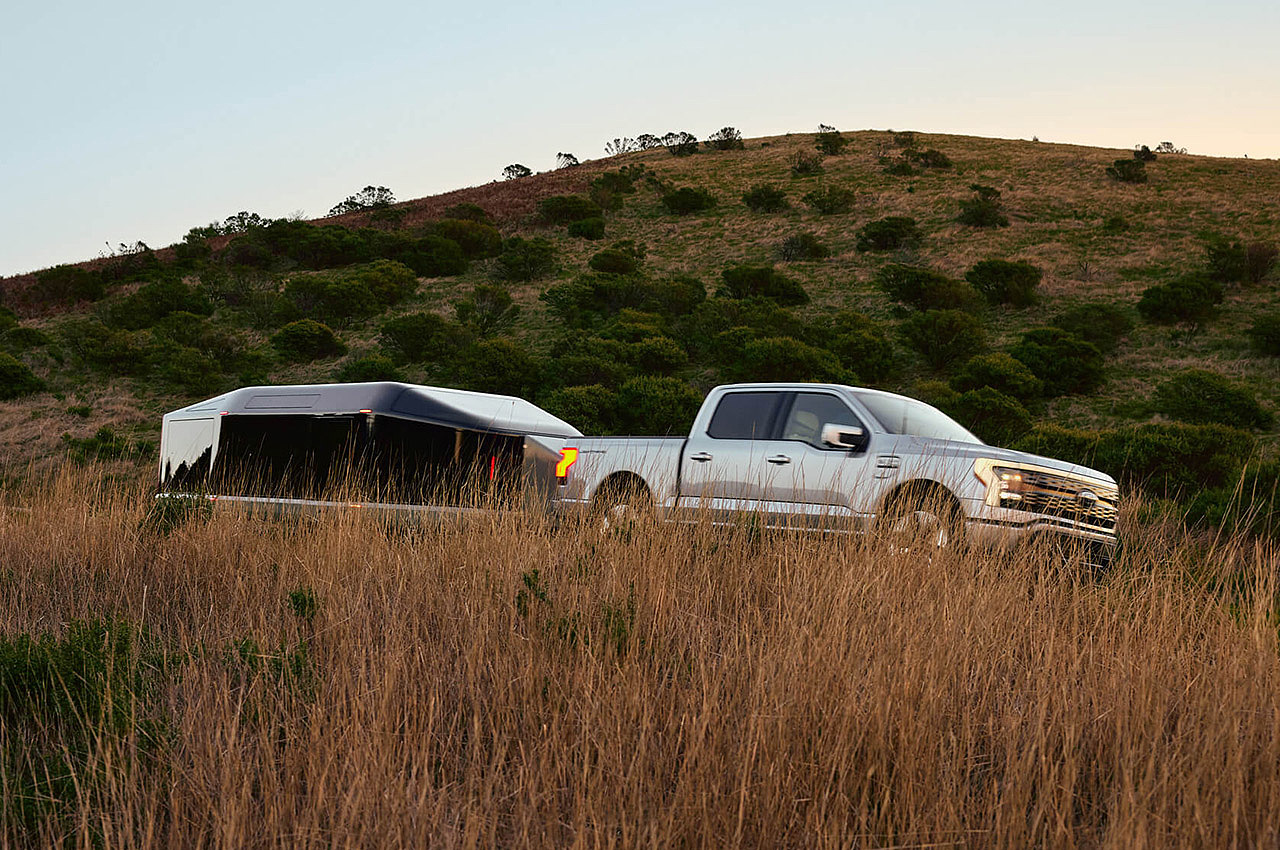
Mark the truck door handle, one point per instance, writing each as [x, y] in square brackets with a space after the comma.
[779, 459]
[701, 457]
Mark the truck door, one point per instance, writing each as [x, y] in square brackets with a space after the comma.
[723, 468]
[813, 483]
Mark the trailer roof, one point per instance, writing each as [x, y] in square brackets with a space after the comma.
[470, 411]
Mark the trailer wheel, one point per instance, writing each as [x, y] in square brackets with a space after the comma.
[622, 506]
[922, 520]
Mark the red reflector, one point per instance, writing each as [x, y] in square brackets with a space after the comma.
[224, 413]
[493, 467]
[568, 457]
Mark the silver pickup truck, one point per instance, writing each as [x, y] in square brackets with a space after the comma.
[827, 457]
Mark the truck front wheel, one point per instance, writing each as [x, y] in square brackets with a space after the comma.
[926, 521]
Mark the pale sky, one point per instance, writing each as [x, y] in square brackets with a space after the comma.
[139, 120]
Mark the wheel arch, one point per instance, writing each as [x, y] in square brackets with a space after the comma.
[620, 483]
[920, 489]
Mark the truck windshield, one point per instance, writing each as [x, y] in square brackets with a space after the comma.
[899, 415]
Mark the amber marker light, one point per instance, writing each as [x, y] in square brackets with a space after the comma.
[568, 457]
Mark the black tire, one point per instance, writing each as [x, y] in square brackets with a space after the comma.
[622, 506]
[927, 521]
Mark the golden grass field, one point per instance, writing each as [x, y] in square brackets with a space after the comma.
[501, 683]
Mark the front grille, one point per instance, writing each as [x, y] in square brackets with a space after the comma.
[1055, 495]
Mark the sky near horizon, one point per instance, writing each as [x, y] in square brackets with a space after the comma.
[141, 120]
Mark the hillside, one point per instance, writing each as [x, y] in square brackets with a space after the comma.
[1099, 244]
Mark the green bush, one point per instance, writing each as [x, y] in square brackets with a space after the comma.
[306, 340]
[590, 298]
[761, 282]
[22, 339]
[1103, 323]
[615, 182]
[94, 344]
[681, 144]
[526, 259]
[925, 289]
[153, 301]
[563, 209]
[786, 359]
[830, 142]
[765, 199]
[476, 239]
[657, 405]
[17, 379]
[1004, 282]
[614, 261]
[898, 167]
[590, 229]
[8, 319]
[336, 299]
[468, 212]
[1161, 458]
[861, 344]
[687, 200]
[945, 337]
[930, 158]
[803, 246]
[1001, 372]
[1128, 171]
[418, 337]
[1265, 334]
[725, 139]
[592, 408]
[374, 367]
[65, 284]
[995, 417]
[1190, 300]
[487, 310]
[984, 209]
[1249, 505]
[1259, 259]
[805, 164]
[187, 370]
[656, 355]
[889, 234]
[1208, 398]
[1065, 363]
[831, 200]
[503, 366]
[1145, 154]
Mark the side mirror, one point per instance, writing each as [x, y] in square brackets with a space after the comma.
[845, 437]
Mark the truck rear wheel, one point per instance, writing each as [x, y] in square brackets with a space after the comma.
[622, 507]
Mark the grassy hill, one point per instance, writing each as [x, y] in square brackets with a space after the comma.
[1099, 244]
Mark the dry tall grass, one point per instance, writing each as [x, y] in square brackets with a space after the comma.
[497, 682]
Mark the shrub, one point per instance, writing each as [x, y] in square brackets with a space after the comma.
[1259, 260]
[889, 234]
[1065, 363]
[925, 289]
[1004, 282]
[468, 212]
[613, 261]
[945, 337]
[900, 167]
[1249, 505]
[998, 371]
[1208, 398]
[930, 158]
[153, 301]
[984, 209]
[563, 209]
[1103, 323]
[476, 239]
[1265, 334]
[307, 339]
[1128, 171]
[526, 259]
[1226, 261]
[994, 416]
[787, 359]
[24, 339]
[8, 319]
[417, 337]
[657, 355]
[370, 197]
[502, 366]
[761, 282]
[860, 342]
[686, 200]
[803, 246]
[805, 164]
[829, 141]
[1191, 300]
[390, 282]
[591, 407]
[590, 229]
[657, 405]
[725, 139]
[515, 171]
[17, 379]
[487, 310]
[374, 367]
[615, 182]
[765, 199]
[832, 200]
[1115, 223]
[63, 284]
[1145, 154]
[191, 372]
[337, 300]
[680, 144]
[94, 344]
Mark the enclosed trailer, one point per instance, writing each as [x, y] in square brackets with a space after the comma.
[390, 444]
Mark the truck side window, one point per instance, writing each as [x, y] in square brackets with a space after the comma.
[810, 411]
[744, 416]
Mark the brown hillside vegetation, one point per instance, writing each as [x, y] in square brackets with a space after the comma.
[501, 683]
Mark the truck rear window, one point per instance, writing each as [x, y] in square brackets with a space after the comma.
[744, 416]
